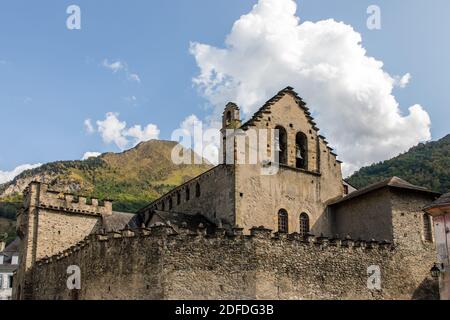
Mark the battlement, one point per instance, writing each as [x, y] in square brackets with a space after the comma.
[185, 235]
[160, 262]
[39, 195]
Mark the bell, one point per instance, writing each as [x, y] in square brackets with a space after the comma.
[277, 146]
[299, 154]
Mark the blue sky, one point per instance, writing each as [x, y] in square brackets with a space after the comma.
[52, 79]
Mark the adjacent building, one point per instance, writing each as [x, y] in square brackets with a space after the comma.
[440, 211]
[9, 262]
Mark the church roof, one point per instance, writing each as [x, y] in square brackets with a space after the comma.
[276, 98]
[301, 104]
[394, 182]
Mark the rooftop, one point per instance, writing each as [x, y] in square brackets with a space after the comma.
[394, 182]
[190, 222]
[116, 221]
[12, 248]
[442, 202]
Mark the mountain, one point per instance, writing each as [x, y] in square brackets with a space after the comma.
[426, 165]
[131, 179]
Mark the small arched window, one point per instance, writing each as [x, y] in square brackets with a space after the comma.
[178, 198]
[188, 194]
[283, 221]
[427, 231]
[163, 206]
[301, 151]
[281, 144]
[170, 203]
[304, 224]
[197, 190]
[228, 118]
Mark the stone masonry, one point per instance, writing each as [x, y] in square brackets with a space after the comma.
[156, 263]
[51, 222]
[318, 242]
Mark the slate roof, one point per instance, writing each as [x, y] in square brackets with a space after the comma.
[192, 221]
[12, 248]
[394, 182]
[444, 200]
[117, 221]
[8, 268]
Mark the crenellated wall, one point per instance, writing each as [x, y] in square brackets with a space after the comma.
[158, 263]
[51, 221]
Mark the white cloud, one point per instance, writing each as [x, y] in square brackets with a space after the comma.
[111, 129]
[88, 126]
[349, 92]
[117, 66]
[402, 82]
[6, 176]
[150, 132]
[90, 154]
[115, 131]
[114, 66]
[134, 77]
[204, 137]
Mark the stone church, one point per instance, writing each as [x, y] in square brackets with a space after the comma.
[234, 233]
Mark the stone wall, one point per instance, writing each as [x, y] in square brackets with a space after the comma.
[260, 197]
[407, 217]
[215, 200]
[367, 217]
[158, 264]
[51, 222]
[408, 230]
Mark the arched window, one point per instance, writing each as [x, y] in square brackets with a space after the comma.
[281, 144]
[301, 151]
[163, 206]
[283, 221]
[228, 118]
[188, 194]
[197, 190]
[170, 203]
[178, 198]
[427, 232]
[304, 224]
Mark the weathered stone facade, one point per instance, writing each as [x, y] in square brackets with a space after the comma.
[238, 194]
[210, 194]
[155, 263]
[164, 256]
[51, 222]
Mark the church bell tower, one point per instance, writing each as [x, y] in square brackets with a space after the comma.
[231, 120]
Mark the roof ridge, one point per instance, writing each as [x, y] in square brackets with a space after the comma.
[299, 101]
[394, 182]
